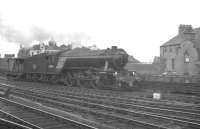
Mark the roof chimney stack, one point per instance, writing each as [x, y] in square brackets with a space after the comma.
[185, 28]
[186, 31]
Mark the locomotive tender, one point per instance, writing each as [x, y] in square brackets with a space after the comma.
[77, 67]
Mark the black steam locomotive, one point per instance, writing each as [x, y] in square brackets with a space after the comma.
[77, 67]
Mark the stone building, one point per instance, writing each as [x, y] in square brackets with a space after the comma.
[181, 54]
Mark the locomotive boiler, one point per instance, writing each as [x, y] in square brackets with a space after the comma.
[77, 67]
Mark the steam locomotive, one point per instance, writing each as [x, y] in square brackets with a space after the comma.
[77, 67]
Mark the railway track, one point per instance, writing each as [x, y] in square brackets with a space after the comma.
[113, 120]
[187, 118]
[127, 102]
[6, 124]
[115, 97]
[166, 98]
[40, 119]
[192, 120]
[177, 113]
[15, 122]
[158, 121]
[192, 102]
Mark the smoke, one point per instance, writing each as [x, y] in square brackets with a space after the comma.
[40, 34]
[78, 36]
[11, 34]
[36, 33]
[77, 39]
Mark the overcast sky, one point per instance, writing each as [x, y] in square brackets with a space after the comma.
[139, 27]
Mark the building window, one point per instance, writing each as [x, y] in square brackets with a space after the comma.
[177, 50]
[186, 57]
[165, 49]
[198, 52]
[173, 63]
[170, 49]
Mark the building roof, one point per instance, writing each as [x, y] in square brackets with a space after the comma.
[35, 47]
[184, 30]
[178, 39]
[52, 48]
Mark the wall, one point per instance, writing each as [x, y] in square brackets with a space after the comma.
[176, 52]
[190, 67]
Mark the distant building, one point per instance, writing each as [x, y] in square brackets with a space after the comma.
[156, 60]
[23, 52]
[9, 56]
[181, 54]
[42, 48]
[93, 47]
[35, 50]
[143, 68]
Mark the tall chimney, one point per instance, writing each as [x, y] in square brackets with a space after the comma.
[186, 31]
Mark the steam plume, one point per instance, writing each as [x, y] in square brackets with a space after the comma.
[14, 35]
[11, 34]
